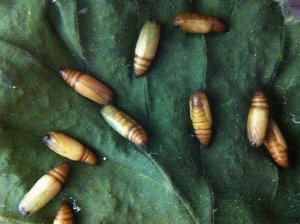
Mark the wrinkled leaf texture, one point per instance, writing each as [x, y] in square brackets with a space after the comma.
[180, 182]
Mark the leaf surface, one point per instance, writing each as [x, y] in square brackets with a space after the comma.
[179, 182]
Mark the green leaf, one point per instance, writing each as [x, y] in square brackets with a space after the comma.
[285, 97]
[179, 182]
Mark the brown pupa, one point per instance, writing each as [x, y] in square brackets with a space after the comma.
[46, 188]
[195, 23]
[64, 215]
[201, 116]
[69, 148]
[276, 144]
[88, 86]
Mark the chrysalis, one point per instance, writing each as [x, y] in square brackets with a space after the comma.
[69, 148]
[124, 125]
[44, 190]
[195, 23]
[201, 116]
[258, 119]
[146, 47]
[88, 86]
[64, 215]
[276, 144]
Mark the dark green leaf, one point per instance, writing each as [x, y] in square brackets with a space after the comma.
[179, 182]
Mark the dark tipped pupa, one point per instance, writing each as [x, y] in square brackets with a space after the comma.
[258, 119]
[69, 148]
[88, 86]
[46, 188]
[146, 47]
[195, 23]
[276, 144]
[125, 125]
[64, 215]
[201, 117]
